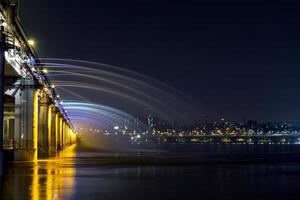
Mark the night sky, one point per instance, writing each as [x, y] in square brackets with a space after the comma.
[237, 60]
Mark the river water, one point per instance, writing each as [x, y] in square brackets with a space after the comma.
[160, 172]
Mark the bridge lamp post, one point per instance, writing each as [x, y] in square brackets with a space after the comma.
[45, 71]
[31, 42]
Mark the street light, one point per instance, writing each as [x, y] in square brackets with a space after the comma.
[45, 71]
[31, 42]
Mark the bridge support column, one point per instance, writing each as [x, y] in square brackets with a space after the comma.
[59, 132]
[63, 133]
[68, 135]
[53, 131]
[26, 122]
[44, 126]
[56, 131]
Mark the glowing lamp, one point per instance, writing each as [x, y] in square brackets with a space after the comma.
[31, 42]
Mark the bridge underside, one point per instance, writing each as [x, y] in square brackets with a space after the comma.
[33, 126]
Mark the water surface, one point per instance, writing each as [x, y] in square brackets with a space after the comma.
[169, 172]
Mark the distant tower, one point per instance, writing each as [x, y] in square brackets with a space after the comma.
[150, 122]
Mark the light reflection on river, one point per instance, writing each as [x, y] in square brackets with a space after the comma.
[44, 179]
[148, 176]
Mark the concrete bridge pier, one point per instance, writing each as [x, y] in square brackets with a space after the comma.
[44, 125]
[53, 129]
[64, 134]
[59, 134]
[68, 136]
[26, 122]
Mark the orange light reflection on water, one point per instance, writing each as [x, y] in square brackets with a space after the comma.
[54, 178]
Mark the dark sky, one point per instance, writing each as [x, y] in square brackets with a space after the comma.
[238, 60]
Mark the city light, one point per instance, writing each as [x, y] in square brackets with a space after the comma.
[31, 42]
[45, 71]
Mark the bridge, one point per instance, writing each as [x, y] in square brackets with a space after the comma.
[33, 121]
